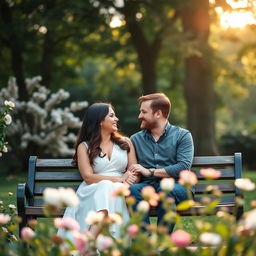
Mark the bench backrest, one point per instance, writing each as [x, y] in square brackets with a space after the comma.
[63, 173]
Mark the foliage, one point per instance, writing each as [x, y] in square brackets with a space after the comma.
[41, 126]
[240, 142]
[226, 237]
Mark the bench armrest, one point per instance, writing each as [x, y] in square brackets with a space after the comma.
[24, 196]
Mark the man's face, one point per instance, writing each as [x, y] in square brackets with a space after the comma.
[147, 117]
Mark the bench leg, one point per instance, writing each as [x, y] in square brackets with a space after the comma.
[239, 212]
[23, 223]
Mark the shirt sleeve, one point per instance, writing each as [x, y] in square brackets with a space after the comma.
[185, 153]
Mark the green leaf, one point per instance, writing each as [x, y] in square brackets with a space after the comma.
[185, 205]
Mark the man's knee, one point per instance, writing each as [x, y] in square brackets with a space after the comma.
[136, 191]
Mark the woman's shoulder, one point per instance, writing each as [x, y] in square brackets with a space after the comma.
[126, 139]
[83, 144]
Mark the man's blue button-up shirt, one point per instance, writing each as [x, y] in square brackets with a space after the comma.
[173, 151]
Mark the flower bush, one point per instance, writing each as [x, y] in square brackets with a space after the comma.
[41, 126]
[225, 237]
[5, 120]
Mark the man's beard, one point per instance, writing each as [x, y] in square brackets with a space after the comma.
[148, 125]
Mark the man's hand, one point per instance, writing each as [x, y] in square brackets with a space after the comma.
[138, 169]
[131, 179]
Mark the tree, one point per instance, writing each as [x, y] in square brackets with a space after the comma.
[198, 83]
[41, 35]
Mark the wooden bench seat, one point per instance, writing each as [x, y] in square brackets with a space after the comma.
[43, 173]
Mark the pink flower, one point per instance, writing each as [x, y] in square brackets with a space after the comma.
[27, 234]
[80, 242]
[103, 243]
[150, 195]
[181, 238]
[210, 173]
[133, 230]
[4, 218]
[66, 223]
[187, 178]
[121, 190]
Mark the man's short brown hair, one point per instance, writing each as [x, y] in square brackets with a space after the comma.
[159, 102]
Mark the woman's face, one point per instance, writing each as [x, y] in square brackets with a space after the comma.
[110, 122]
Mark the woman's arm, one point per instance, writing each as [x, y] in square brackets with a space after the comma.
[132, 159]
[86, 169]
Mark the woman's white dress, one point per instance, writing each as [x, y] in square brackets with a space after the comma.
[97, 196]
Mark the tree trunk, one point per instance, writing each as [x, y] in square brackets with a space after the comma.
[17, 67]
[47, 60]
[148, 52]
[48, 49]
[198, 84]
[14, 43]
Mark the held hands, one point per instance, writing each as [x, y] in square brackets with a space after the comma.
[129, 178]
[138, 169]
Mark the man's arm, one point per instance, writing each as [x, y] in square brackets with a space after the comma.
[185, 153]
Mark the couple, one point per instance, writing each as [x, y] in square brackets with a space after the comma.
[105, 159]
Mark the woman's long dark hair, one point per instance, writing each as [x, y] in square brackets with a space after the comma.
[90, 131]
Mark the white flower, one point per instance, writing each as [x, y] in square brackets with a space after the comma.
[75, 106]
[8, 119]
[167, 184]
[52, 197]
[116, 218]
[12, 206]
[210, 238]
[5, 149]
[143, 206]
[245, 184]
[68, 197]
[1, 154]
[250, 219]
[94, 217]
[9, 104]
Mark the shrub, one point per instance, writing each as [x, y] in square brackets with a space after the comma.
[240, 142]
[41, 126]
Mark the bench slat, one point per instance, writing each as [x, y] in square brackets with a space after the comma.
[199, 188]
[197, 161]
[40, 189]
[226, 174]
[224, 187]
[213, 161]
[57, 176]
[197, 210]
[223, 200]
[54, 176]
[55, 163]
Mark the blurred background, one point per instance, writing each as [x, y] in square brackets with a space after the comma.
[201, 53]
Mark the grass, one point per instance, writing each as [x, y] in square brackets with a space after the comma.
[8, 184]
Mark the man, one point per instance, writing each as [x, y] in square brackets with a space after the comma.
[162, 150]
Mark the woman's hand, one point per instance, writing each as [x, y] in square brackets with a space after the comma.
[129, 178]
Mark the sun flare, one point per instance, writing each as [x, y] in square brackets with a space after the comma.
[242, 14]
[237, 19]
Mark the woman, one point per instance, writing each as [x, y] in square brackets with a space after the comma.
[102, 156]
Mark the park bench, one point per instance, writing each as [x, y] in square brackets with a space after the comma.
[43, 173]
